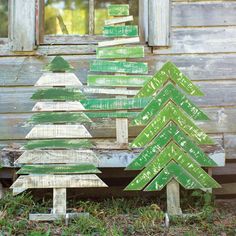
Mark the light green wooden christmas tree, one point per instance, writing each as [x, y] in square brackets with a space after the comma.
[57, 155]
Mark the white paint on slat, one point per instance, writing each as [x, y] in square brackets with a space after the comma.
[59, 201]
[118, 20]
[58, 106]
[118, 42]
[17, 191]
[110, 91]
[58, 131]
[58, 79]
[159, 23]
[218, 158]
[58, 181]
[58, 157]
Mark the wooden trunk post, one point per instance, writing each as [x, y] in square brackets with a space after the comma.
[59, 201]
[173, 198]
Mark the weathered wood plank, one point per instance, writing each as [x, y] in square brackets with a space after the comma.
[159, 23]
[201, 40]
[22, 30]
[58, 79]
[119, 20]
[59, 201]
[53, 217]
[118, 10]
[58, 131]
[58, 181]
[59, 117]
[58, 157]
[118, 80]
[226, 189]
[119, 66]
[120, 52]
[119, 31]
[58, 169]
[209, 13]
[228, 169]
[118, 42]
[230, 145]
[117, 91]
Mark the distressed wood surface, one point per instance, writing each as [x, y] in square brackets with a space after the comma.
[119, 42]
[53, 217]
[58, 181]
[13, 126]
[159, 23]
[59, 201]
[22, 20]
[58, 79]
[119, 31]
[227, 189]
[118, 80]
[58, 157]
[119, 67]
[58, 169]
[58, 131]
[118, 10]
[120, 52]
[105, 91]
[119, 20]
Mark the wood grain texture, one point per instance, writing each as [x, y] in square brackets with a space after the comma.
[58, 181]
[22, 31]
[159, 23]
[58, 79]
[58, 131]
[58, 157]
[119, 20]
[59, 201]
[120, 31]
[53, 217]
[118, 42]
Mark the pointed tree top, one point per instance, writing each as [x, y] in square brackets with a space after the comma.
[59, 64]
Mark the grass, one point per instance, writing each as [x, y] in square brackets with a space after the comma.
[118, 217]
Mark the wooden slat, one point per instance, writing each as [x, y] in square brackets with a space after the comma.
[53, 217]
[159, 23]
[120, 52]
[118, 42]
[58, 157]
[58, 181]
[228, 169]
[109, 91]
[58, 169]
[58, 79]
[201, 40]
[58, 131]
[118, 80]
[59, 201]
[119, 31]
[22, 21]
[230, 145]
[119, 67]
[119, 20]
[118, 10]
[226, 189]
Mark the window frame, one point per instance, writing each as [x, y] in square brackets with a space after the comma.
[89, 39]
[5, 40]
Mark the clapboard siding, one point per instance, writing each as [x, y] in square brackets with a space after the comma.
[203, 13]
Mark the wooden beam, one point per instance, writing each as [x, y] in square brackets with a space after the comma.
[143, 20]
[59, 201]
[22, 25]
[159, 23]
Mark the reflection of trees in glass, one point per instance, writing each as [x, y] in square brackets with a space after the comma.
[4, 18]
[72, 16]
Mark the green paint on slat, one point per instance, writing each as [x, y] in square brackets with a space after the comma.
[58, 144]
[168, 113]
[169, 72]
[59, 64]
[170, 132]
[59, 117]
[120, 52]
[118, 31]
[115, 103]
[172, 152]
[67, 94]
[59, 169]
[118, 80]
[169, 92]
[119, 66]
[118, 10]
[173, 170]
[128, 115]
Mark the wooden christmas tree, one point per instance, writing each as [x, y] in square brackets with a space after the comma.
[171, 138]
[57, 155]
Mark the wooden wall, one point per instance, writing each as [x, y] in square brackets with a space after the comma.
[203, 46]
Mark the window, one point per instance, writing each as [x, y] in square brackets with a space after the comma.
[79, 17]
[4, 18]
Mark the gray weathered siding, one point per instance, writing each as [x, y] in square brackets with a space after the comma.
[203, 39]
